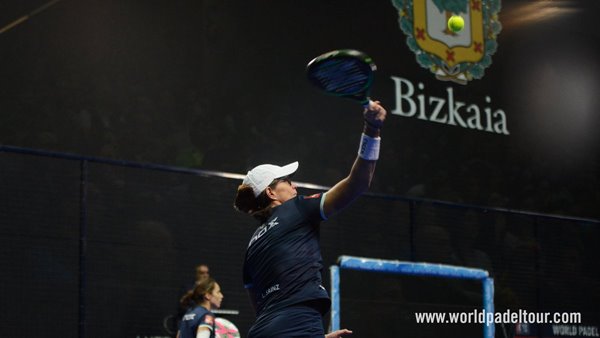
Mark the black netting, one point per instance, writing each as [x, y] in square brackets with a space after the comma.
[147, 231]
[39, 248]
[383, 305]
[144, 231]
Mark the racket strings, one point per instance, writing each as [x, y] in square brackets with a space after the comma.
[341, 76]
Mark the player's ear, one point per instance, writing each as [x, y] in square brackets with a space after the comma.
[270, 193]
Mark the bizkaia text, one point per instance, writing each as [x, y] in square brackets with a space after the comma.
[446, 110]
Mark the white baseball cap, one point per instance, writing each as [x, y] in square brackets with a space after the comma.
[261, 176]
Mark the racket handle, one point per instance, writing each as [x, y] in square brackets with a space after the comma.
[366, 103]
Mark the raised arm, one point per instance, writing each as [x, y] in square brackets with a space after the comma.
[361, 174]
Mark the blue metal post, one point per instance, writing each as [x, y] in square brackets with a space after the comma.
[488, 305]
[335, 298]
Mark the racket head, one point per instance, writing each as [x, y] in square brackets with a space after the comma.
[225, 329]
[344, 73]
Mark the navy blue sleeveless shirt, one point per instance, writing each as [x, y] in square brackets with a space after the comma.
[195, 318]
[283, 261]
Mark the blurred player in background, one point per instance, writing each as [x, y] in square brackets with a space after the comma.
[199, 321]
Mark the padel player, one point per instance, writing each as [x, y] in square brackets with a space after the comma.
[199, 321]
[282, 268]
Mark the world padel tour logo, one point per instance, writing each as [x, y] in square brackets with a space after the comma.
[458, 57]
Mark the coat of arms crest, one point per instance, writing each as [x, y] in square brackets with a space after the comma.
[458, 57]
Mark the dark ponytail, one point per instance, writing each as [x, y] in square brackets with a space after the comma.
[259, 207]
[195, 296]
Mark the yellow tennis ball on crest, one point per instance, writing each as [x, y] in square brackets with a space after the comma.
[456, 23]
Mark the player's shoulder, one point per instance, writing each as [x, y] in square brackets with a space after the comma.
[209, 318]
[201, 311]
[307, 198]
[313, 196]
[300, 200]
[308, 202]
[205, 315]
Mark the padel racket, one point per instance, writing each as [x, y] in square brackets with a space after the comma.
[225, 329]
[345, 73]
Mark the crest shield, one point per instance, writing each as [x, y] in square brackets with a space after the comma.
[458, 57]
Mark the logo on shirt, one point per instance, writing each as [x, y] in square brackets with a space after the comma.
[313, 196]
[190, 316]
[263, 230]
[270, 290]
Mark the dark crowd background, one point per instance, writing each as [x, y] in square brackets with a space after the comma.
[220, 85]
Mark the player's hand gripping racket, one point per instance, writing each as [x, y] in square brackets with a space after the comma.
[344, 73]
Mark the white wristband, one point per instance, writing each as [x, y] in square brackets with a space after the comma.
[369, 148]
